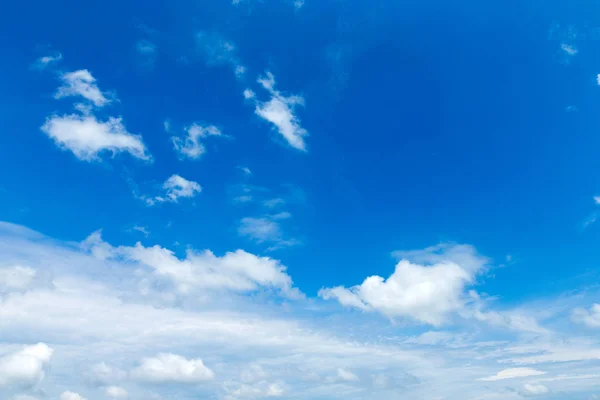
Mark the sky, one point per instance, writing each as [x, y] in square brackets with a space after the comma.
[299, 199]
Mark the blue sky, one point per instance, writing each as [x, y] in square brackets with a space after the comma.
[299, 199]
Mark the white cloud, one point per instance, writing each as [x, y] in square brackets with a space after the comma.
[249, 94]
[191, 146]
[427, 289]
[71, 396]
[25, 367]
[81, 83]
[116, 392]
[272, 203]
[16, 278]
[142, 229]
[219, 51]
[178, 187]
[45, 61]
[569, 49]
[172, 368]
[298, 4]
[534, 390]
[145, 47]
[279, 110]
[87, 137]
[512, 373]
[590, 318]
[346, 375]
[235, 271]
[598, 79]
[597, 200]
[260, 229]
[245, 170]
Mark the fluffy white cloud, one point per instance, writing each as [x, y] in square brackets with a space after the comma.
[87, 137]
[426, 289]
[589, 317]
[172, 368]
[279, 110]
[175, 187]
[81, 83]
[534, 390]
[237, 271]
[25, 367]
[249, 94]
[191, 146]
[257, 390]
[71, 396]
[512, 373]
[116, 392]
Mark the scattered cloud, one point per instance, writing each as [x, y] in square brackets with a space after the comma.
[191, 145]
[81, 83]
[346, 375]
[219, 51]
[236, 271]
[426, 285]
[245, 170]
[272, 203]
[280, 111]
[512, 373]
[569, 49]
[25, 367]
[147, 52]
[142, 229]
[530, 390]
[71, 396]
[589, 318]
[597, 200]
[172, 368]
[249, 94]
[46, 61]
[116, 392]
[175, 187]
[87, 137]
[266, 229]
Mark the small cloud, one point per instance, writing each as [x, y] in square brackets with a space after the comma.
[249, 94]
[512, 373]
[45, 61]
[242, 199]
[175, 188]
[191, 145]
[245, 170]
[145, 47]
[569, 49]
[172, 368]
[81, 83]
[298, 4]
[240, 70]
[87, 137]
[272, 203]
[71, 396]
[280, 111]
[597, 200]
[142, 230]
[219, 51]
[530, 390]
[116, 392]
[571, 108]
[346, 375]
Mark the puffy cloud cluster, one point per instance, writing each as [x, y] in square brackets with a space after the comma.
[25, 367]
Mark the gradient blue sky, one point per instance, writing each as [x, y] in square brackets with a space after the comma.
[318, 199]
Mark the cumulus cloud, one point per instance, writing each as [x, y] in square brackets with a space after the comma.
[25, 367]
[426, 285]
[191, 145]
[81, 83]
[237, 271]
[116, 392]
[87, 137]
[590, 318]
[172, 368]
[280, 111]
[512, 373]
